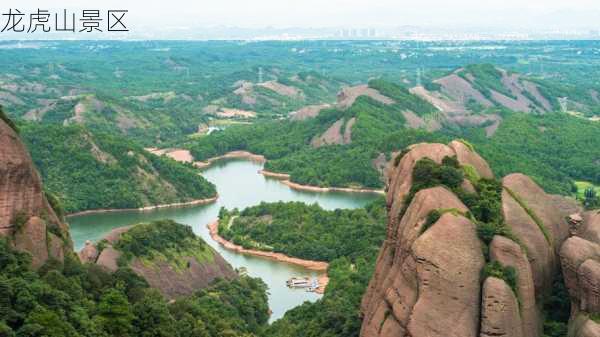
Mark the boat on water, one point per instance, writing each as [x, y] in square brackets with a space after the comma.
[310, 284]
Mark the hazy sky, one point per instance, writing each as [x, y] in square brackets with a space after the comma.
[327, 13]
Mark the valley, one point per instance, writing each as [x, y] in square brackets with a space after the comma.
[437, 188]
[239, 185]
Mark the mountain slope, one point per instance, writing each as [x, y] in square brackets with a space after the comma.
[97, 171]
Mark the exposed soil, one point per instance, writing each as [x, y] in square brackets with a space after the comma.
[348, 96]
[281, 89]
[308, 112]
[148, 208]
[232, 113]
[461, 90]
[179, 155]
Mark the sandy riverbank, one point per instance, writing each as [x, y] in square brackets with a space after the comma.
[318, 266]
[147, 208]
[184, 156]
[230, 155]
[285, 179]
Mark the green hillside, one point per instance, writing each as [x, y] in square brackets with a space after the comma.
[95, 171]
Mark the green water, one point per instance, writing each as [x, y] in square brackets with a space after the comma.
[239, 185]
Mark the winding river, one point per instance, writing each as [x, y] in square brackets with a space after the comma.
[239, 185]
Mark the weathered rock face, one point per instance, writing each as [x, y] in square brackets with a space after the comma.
[427, 281]
[89, 253]
[172, 281]
[26, 218]
[509, 253]
[580, 258]
[500, 311]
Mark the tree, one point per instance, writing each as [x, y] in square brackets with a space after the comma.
[115, 314]
[591, 199]
[152, 316]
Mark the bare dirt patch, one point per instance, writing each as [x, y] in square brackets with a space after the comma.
[306, 112]
[348, 96]
[332, 136]
[461, 90]
[233, 113]
[281, 89]
[442, 103]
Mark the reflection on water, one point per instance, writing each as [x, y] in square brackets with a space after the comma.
[239, 185]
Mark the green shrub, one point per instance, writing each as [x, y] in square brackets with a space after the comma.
[471, 173]
[19, 220]
[506, 273]
[400, 156]
[432, 218]
[56, 204]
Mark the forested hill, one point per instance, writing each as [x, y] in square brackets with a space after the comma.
[345, 146]
[89, 170]
[347, 239]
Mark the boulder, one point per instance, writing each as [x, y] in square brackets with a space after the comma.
[31, 238]
[589, 329]
[591, 226]
[89, 253]
[574, 252]
[540, 253]
[108, 258]
[466, 156]
[393, 287]
[542, 204]
[509, 253]
[449, 259]
[500, 311]
[588, 275]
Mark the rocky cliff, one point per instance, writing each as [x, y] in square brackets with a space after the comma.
[474, 257]
[580, 258]
[180, 266]
[26, 217]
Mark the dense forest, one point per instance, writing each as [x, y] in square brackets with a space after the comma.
[89, 170]
[72, 300]
[306, 231]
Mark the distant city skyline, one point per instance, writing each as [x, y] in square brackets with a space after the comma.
[427, 19]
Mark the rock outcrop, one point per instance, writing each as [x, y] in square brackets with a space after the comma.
[580, 258]
[428, 280]
[163, 274]
[26, 217]
[500, 310]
